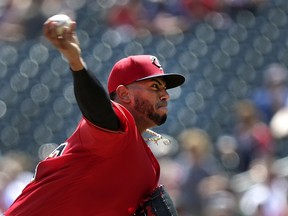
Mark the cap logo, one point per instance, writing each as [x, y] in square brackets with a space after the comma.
[156, 62]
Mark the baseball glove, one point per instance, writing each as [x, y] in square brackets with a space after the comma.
[158, 203]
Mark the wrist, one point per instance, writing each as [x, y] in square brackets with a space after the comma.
[77, 65]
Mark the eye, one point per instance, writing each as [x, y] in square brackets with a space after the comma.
[155, 86]
[158, 87]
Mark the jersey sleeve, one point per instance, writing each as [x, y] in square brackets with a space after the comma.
[94, 101]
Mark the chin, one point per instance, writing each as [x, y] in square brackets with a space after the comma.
[161, 120]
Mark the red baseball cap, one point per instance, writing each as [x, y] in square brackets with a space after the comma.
[137, 68]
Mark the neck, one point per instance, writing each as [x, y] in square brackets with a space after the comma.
[141, 124]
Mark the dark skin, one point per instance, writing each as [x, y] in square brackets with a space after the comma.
[146, 100]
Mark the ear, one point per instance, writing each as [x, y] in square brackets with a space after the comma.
[123, 94]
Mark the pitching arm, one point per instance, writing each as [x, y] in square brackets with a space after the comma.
[93, 100]
[91, 97]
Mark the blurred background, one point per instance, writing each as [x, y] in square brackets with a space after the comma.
[228, 124]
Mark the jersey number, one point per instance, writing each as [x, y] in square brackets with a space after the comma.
[58, 151]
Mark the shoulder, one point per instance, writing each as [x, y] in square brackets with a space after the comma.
[122, 113]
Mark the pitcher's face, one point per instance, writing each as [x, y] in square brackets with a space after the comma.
[151, 99]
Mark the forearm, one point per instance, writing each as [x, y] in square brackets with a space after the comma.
[93, 100]
[91, 97]
[77, 65]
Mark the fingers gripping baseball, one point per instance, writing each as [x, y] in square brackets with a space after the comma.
[63, 37]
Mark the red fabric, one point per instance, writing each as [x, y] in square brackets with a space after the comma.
[200, 8]
[124, 16]
[139, 67]
[100, 173]
[263, 136]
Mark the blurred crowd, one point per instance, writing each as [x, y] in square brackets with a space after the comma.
[242, 173]
[22, 19]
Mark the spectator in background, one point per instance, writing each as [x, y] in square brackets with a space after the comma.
[200, 164]
[167, 16]
[11, 19]
[211, 11]
[273, 94]
[268, 194]
[16, 171]
[199, 9]
[218, 13]
[134, 18]
[234, 6]
[127, 17]
[226, 151]
[218, 197]
[253, 136]
[22, 19]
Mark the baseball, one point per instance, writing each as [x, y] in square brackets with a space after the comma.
[62, 21]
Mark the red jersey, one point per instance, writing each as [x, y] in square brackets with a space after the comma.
[97, 172]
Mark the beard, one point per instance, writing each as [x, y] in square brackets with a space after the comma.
[145, 107]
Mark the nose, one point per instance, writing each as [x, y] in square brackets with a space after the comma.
[165, 95]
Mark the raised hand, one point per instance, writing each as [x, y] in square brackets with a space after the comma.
[67, 43]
